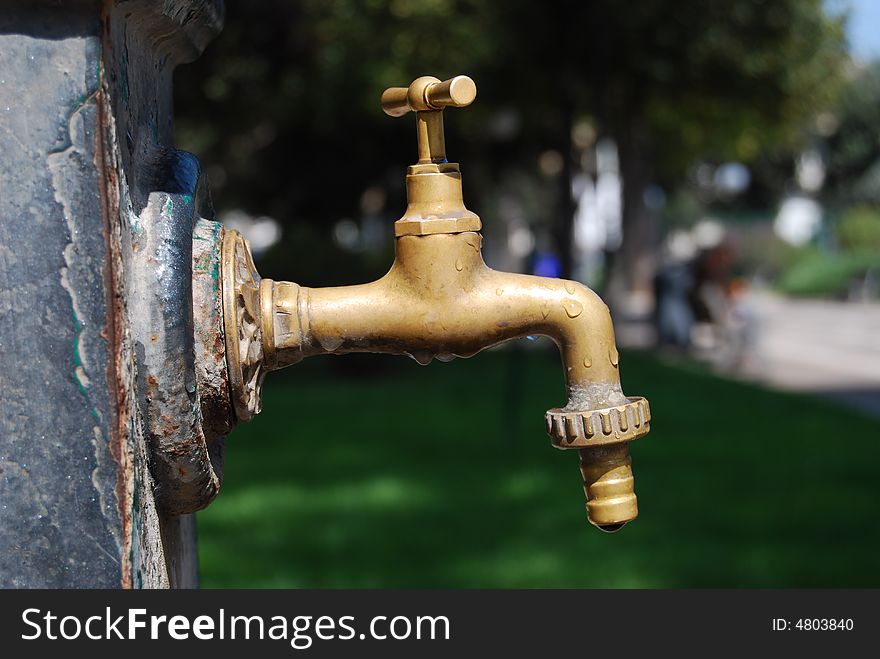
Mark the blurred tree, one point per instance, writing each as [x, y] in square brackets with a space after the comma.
[716, 80]
[285, 103]
[853, 140]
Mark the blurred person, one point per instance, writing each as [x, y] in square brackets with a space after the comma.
[724, 317]
[674, 314]
[673, 285]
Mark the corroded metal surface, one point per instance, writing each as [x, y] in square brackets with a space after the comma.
[186, 474]
[440, 300]
[161, 199]
[212, 376]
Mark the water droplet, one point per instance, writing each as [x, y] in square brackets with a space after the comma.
[587, 361]
[423, 357]
[614, 356]
[545, 310]
[458, 265]
[569, 286]
[330, 343]
[573, 308]
[499, 291]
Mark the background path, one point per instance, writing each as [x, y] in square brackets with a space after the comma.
[819, 346]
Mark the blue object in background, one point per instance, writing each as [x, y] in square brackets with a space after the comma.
[546, 265]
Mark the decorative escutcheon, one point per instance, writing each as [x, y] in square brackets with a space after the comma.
[242, 325]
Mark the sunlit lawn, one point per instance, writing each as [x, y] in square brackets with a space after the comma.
[443, 477]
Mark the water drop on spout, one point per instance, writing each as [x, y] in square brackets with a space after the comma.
[573, 308]
[423, 357]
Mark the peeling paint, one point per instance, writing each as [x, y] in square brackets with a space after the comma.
[60, 162]
[71, 229]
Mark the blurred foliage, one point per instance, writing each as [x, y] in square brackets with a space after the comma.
[683, 208]
[819, 273]
[853, 139]
[848, 135]
[283, 107]
[838, 272]
[859, 228]
[720, 80]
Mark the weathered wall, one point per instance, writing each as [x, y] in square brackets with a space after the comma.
[57, 383]
[85, 149]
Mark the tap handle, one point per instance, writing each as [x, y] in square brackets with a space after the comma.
[427, 94]
[427, 97]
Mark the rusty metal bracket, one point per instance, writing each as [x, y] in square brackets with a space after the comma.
[171, 255]
[183, 410]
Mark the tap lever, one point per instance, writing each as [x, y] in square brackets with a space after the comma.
[427, 94]
[427, 97]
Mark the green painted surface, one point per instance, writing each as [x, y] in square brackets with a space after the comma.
[78, 364]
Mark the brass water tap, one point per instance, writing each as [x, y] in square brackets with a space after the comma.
[439, 299]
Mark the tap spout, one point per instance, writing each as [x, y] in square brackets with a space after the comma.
[439, 299]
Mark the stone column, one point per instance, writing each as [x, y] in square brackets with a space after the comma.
[103, 449]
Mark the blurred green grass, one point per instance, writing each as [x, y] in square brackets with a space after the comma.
[443, 477]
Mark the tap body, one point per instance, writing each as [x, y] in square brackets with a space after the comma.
[439, 299]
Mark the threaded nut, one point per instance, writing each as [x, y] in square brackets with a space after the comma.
[612, 425]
